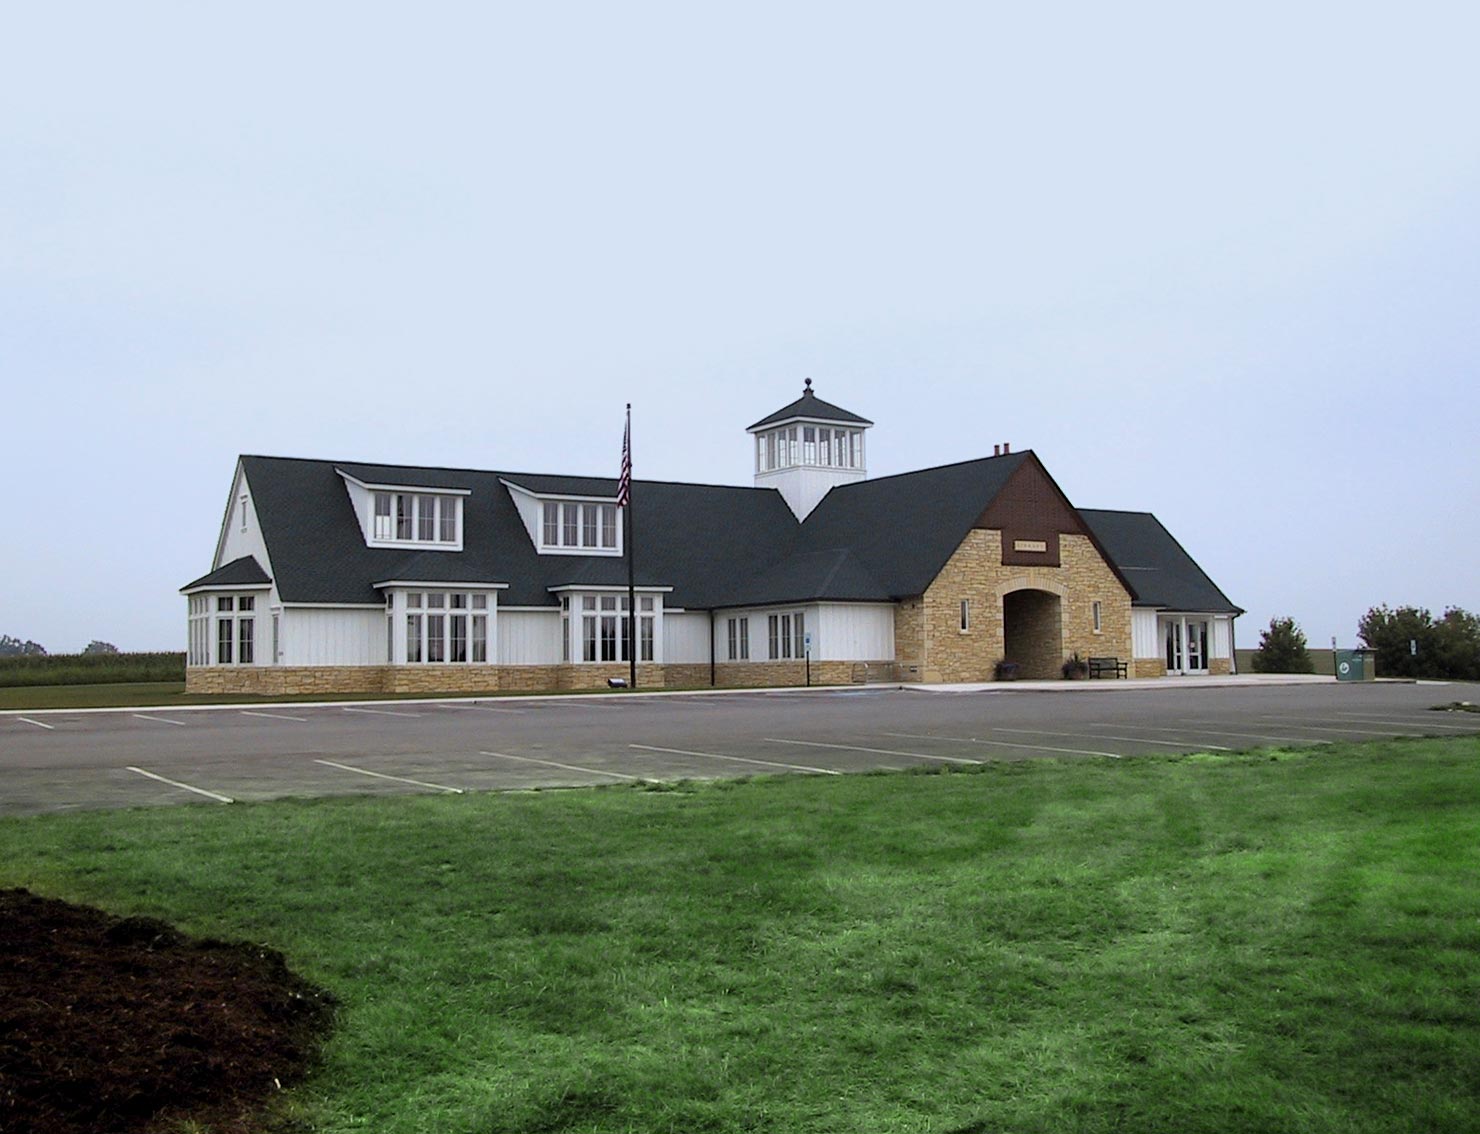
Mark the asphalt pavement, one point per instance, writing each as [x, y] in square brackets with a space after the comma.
[72, 760]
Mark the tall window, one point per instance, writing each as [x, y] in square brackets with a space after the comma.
[965, 615]
[236, 629]
[786, 636]
[578, 525]
[604, 630]
[1095, 607]
[739, 639]
[408, 517]
[446, 627]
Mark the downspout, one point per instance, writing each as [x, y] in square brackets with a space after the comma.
[711, 649]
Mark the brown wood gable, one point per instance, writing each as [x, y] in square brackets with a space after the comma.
[1031, 512]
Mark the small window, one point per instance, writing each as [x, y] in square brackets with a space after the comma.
[225, 602]
[383, 528]
[244, 511]
[965, 616]
[1095, 608]
[552, 524]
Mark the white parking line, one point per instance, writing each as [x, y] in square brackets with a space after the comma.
[383, 776]
[1415, 723]
[741, 759]
[1107, 736]
[1216, 730]
[219, 798]
[879, 751]
[162, 720]
[1319, 728]
[275, 716]
[1005, 744]
[565, 767]
[38, 724]
[381, 712]
[480, 708]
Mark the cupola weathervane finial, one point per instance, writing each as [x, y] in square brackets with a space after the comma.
[806, 387]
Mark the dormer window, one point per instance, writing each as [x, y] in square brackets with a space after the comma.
[569, 525]
[416, 517]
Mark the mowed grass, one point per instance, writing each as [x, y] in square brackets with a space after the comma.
[1264, 942]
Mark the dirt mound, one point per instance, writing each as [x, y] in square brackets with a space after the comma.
[110, 1025]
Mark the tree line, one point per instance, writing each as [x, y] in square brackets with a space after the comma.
[1406, 641]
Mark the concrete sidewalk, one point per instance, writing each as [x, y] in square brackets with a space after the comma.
[1252, 680]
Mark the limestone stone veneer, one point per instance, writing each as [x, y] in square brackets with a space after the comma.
[932, 647]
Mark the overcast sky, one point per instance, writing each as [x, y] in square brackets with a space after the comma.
[1223, 268]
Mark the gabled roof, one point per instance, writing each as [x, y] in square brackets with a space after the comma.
[714, 546]
[243, 572]
[1158, 567]
[902, 529]
[810, 406]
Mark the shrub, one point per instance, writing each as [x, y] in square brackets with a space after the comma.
[1445, 648]
[1282, 649]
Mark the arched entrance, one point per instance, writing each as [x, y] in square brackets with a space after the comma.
[1033, 633]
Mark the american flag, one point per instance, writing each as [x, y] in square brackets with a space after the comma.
[624, 481]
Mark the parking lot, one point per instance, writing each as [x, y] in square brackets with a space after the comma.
[53, 761]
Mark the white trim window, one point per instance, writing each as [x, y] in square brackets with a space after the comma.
[819, 446]
[198, 651]
[739, 638]
[785, 635]
[447, 627]
[236, 629]
[579, 526]
[603, 626]
[416, 518]
[1095, 613]
[966, 616]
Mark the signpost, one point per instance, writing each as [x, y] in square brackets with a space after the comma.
[807, 650]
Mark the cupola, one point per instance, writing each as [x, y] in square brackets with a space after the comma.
[806, 449]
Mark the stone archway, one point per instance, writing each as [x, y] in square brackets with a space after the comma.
[1033, 632]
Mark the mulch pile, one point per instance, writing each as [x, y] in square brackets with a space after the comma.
[113, 1025]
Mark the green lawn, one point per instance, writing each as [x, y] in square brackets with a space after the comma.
[1269, 942]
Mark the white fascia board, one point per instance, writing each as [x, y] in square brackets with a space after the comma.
[421, 488]
[226, 587]
[426, 585]
[236, 479]
[509, 484]
[593, 588]
[333, 605]
[530, 609]
[831, 422]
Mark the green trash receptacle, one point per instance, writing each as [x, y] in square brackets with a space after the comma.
[1351, 665]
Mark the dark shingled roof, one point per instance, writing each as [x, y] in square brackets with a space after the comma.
[243, 572]
[1161, 571]
[902, 529]
[810, 405]
[715, 546]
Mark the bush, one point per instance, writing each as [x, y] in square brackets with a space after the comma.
[90, 669]
[1282, 649]
[1446, 648]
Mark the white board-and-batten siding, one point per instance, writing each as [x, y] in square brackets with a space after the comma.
[528, 637]
[851, 631]
[685, 638]
[1145, 637]
[331, 636]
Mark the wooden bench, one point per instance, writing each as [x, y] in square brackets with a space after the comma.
[1111, 667]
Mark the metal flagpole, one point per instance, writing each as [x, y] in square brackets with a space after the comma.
[624, 501]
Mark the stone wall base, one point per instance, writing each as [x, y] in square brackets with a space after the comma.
[1148, 667]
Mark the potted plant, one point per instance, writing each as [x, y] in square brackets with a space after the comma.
[1075, 669]
[1005, 670]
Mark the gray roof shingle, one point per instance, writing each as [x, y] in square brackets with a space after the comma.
[1158, 567]
[810, 405]
[243, 572]
[715, 546]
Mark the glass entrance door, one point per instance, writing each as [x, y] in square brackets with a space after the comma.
[1197, 646]
[1173, 629]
